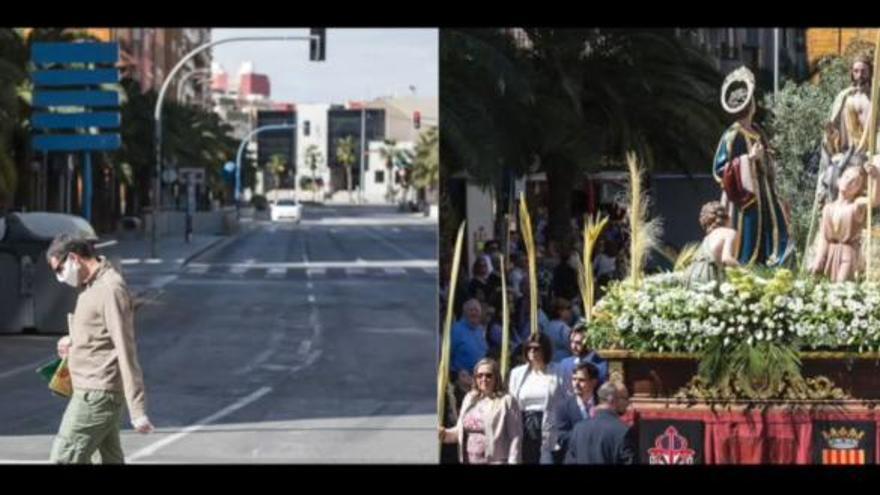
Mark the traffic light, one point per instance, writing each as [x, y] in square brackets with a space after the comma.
[306, 128]
[318, 47]
[417, 119]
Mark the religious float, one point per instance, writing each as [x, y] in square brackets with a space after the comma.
[744, 354]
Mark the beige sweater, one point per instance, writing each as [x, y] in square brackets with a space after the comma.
[503, 429]
[103, 353]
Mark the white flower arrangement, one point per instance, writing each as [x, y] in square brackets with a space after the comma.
[662, 314]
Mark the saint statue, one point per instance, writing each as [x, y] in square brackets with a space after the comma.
[744, 168]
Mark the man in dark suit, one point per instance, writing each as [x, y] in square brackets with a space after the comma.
[604, 438]
[577, 407]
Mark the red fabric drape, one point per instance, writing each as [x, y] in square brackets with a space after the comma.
[758, 436]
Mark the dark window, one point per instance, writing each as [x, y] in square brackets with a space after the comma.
[380, 176]
[342, 123]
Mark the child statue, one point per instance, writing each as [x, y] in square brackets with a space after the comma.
[717, 248]
[839, 243]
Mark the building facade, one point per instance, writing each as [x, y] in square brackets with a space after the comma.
[271, 143]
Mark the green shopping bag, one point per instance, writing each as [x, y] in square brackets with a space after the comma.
[58, 376]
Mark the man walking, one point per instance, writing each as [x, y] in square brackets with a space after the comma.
[604, 438]
[101, 354]
[577, 407]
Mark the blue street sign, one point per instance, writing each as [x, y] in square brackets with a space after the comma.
[67, 53]
[75, 120]
[74, 77]
[76, 142]
[76, 98]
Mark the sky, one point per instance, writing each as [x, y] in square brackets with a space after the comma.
[360, 63]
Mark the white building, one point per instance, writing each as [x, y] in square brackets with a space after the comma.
[311, 130]
[377, 174]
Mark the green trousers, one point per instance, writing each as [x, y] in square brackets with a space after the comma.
[89, 431]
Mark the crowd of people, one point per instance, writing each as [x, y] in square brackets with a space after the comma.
[557, 383]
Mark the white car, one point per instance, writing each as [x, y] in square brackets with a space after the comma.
[285, 208]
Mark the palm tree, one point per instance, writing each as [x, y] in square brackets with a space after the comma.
[314, 157]
[276, 166]
[570, 100]
[426, 163]
[393, 155]
[347, 157]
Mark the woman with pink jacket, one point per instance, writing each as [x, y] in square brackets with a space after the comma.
[489, 428]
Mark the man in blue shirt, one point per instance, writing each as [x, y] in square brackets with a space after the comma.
[468, 344]
[581, 353]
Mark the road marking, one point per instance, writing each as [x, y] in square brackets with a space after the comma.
[355, 271]
[158, 283]
[395, 229]
[154, 261]
[130, 261]
[391, 245]
[395, 331]
[311, 299]
[395, 271]
[198, 425]
[238, 269]
[316, 271]
[361, 221]
[27, 367]
[274, 343]
[105, 244]
[324, 265]
[277, 271]
[310, 285]
[197, 270]
[23, 461]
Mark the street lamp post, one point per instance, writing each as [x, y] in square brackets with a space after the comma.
[157, 114]
[363, 181]
[276, 127]
[775, 62]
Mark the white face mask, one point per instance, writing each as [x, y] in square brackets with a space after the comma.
[70, 274]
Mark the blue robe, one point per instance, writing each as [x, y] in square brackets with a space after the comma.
[762, 229]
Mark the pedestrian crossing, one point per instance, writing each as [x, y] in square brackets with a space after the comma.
[286, 273]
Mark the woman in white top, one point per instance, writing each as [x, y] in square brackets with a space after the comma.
[537, 388]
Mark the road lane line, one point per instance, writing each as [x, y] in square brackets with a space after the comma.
[277, 271]
[397, 249]
[395, 271]
[324, 265]
[27, 367]
[198, 425]
[355, 271]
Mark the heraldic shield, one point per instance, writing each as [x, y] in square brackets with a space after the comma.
[671, 442]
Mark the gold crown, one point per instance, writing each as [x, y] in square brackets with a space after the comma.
[843, 437]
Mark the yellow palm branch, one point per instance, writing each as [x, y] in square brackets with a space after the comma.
[443, 371]
[529, 240]
[592, 230]
[505, 323]
[643, 234]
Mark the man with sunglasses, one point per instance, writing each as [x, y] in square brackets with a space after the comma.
[101, 354]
